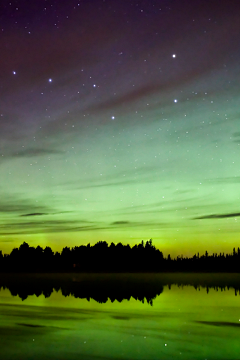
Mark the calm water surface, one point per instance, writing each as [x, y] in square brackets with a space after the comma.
[182, 323]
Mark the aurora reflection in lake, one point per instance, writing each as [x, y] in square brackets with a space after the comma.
[183, 322]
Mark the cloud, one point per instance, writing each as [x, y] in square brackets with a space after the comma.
[219, 323]
[120, 223]
[236, 134]
[117, 183]
[36, 152]
[225, 180]
[57, 226]
[217, 216]
[34, 214]
[46, 223]
[48, 226]
[160, 88]
[50, 230]
[144, 174]
[21, 206]
[127, 98]
[16, 205]
[136, 224]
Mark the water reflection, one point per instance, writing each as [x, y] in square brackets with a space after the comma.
[183, 323]
[100, 290]
[113, 287]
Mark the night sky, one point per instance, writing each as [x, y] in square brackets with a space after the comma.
[120, 121]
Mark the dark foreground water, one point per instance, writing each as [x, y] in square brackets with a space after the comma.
[120, 316]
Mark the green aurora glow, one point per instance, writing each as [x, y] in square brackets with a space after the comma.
[103, 151]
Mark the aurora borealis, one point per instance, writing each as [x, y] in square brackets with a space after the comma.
[120, 121]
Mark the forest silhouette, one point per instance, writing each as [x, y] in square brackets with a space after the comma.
[113, 258]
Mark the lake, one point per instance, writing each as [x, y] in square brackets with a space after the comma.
[120, 316]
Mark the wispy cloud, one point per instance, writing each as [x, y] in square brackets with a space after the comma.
[236, 134]
[27, 153]
[142, 174]
[127, 98]
[17, 205]
[47, 226]
[225, 180]
[217, 216]
[120, 223]
[136, 224]
[30, 152]
[68, 225]
[34, 214]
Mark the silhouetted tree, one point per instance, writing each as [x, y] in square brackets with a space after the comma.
[142, 257]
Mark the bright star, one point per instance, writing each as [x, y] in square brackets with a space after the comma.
[173, 55]
[14, 72]
[113, 117]
[50, 80]
[175, 100]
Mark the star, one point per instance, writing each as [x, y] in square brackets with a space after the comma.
[173, 55]
[14, 72]
[49, 80]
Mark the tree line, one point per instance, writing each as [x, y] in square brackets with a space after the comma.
[101, 257]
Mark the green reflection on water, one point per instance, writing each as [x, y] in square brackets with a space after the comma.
[184, 323]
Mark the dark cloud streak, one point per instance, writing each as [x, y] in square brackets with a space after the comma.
[120, 223]
[35, 214]
[31, 152]
[217, 216]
